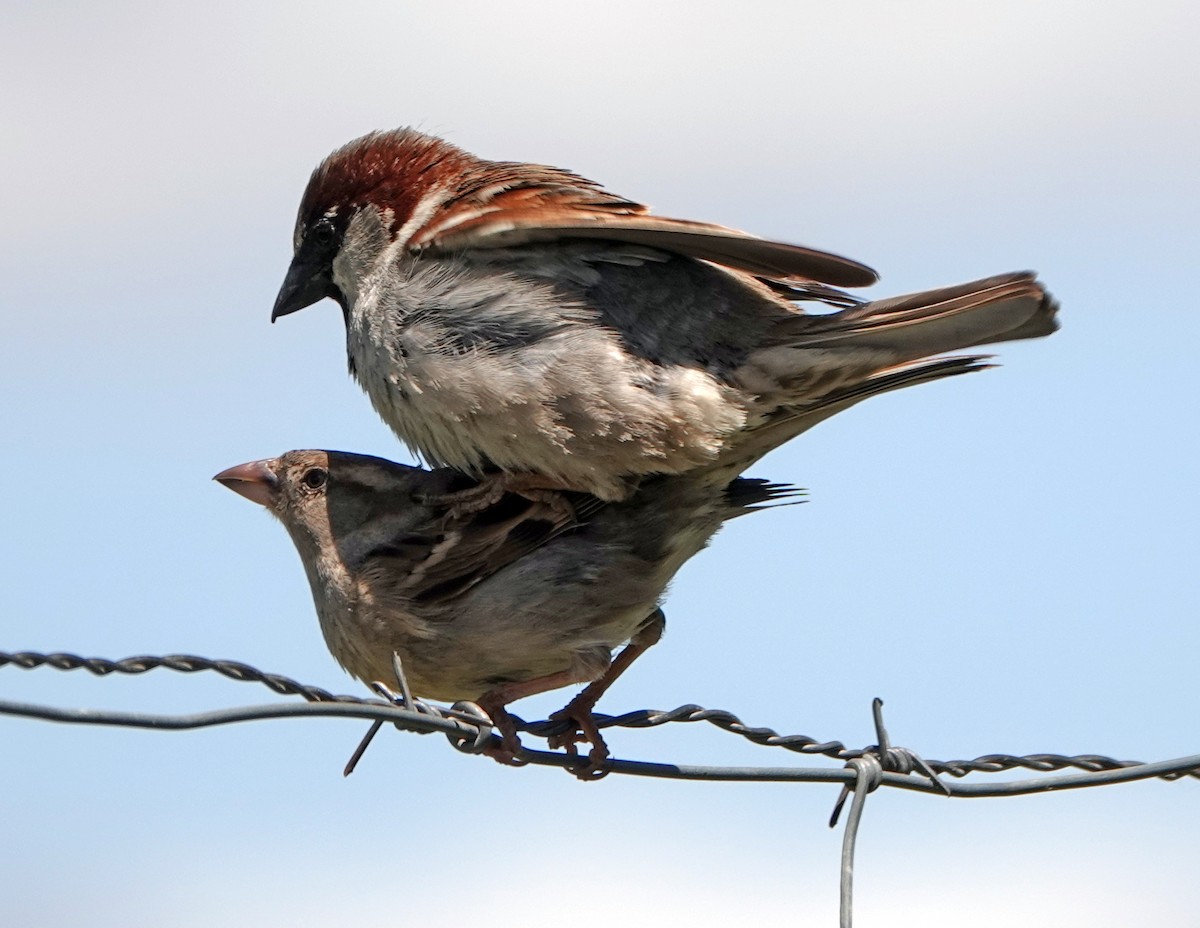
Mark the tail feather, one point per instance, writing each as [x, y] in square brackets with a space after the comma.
[749, 494]
[912, 330]
[789, 422]
[996, 309]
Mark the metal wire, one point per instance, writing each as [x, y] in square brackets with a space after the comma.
[644, 718]
[421, 719]
[470, 731]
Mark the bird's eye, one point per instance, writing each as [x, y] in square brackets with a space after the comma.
[314, 478]
[322, 234]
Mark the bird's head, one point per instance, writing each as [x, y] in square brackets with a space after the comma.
[363, 198]
[339, 504]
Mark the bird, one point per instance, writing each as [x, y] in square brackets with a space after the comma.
[523, 325]
[495, 604]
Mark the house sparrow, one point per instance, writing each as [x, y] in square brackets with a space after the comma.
[520, 319]
[494, 605]
[521, 596]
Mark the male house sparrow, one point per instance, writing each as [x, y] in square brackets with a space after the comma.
[523, 595]
[518, 317]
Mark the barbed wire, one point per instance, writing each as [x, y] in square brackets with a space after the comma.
[424, 715]
[470, 730]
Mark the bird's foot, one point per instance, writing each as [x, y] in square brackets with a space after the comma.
[508, 752]
[584, 731]
[494, 487]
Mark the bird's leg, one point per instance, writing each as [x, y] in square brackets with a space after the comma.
[494, 701]
[579, 709]
[492, 487]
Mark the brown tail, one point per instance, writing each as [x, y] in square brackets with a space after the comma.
[996, 309]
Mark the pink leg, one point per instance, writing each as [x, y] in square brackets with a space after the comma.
[493, 702]
[579, 709]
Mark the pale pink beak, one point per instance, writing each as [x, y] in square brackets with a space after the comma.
[256, 481]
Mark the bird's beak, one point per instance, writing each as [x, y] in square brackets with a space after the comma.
[307, 281]
[256, 481]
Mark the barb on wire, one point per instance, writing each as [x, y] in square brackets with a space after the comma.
[868, 775]
[884, 757]
[405, 699]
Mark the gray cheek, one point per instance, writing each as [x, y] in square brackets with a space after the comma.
[345, 278]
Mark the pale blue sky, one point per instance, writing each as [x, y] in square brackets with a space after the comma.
[1008, 559]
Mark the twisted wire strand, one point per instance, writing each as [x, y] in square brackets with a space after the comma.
[467, 731]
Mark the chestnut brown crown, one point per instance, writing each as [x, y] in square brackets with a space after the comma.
[395, 170]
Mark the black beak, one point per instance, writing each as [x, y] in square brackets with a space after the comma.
[307, 282]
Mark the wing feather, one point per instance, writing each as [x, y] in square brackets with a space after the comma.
[533, 216]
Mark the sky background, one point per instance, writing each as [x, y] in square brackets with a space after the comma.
[1008, 559]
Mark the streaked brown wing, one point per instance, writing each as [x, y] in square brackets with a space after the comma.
[526, 216]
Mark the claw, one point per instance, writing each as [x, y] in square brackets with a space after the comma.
[584, 731]
[509, 751]
[492, 488]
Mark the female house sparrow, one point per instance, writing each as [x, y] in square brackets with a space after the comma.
[490, 606]
[519, 317]
[521, 596]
